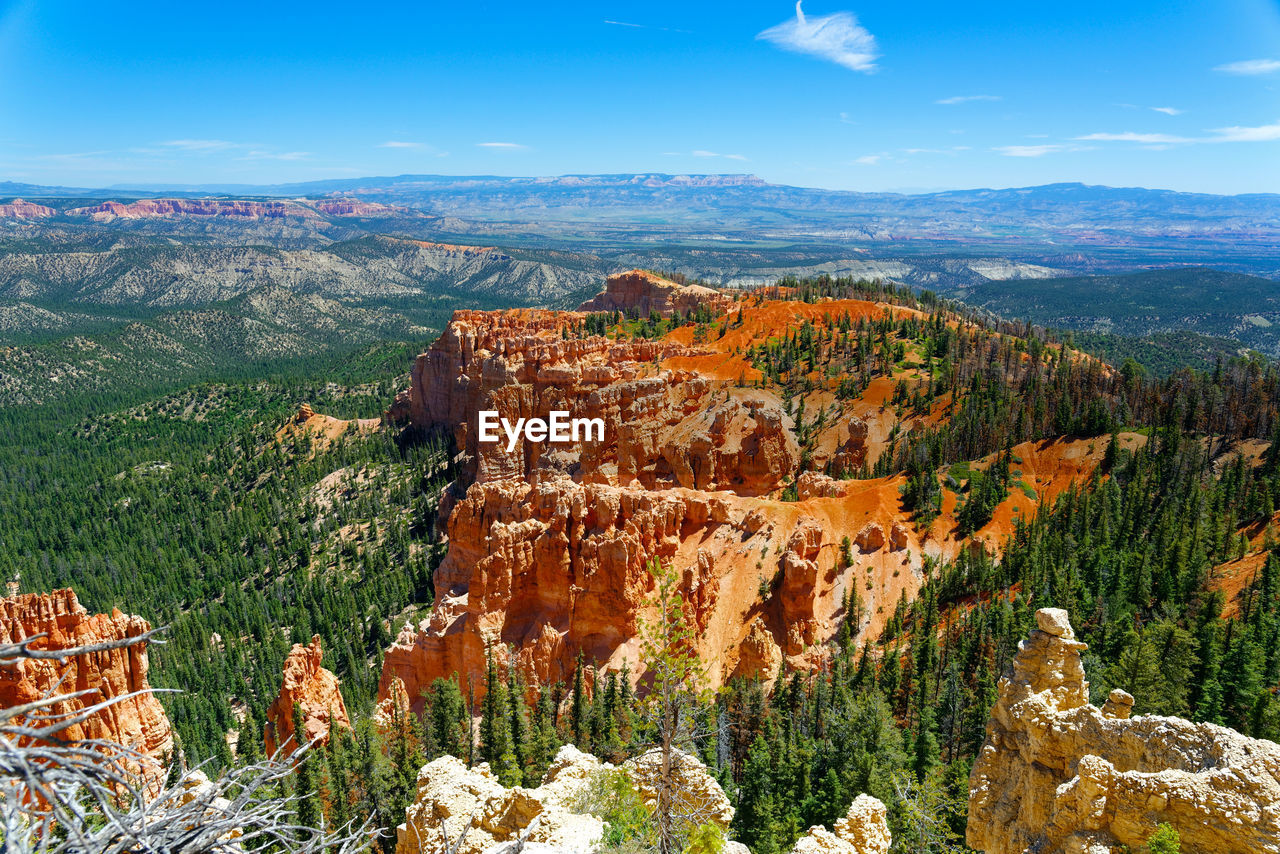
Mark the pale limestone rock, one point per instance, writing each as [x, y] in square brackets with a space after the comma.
[1057, 775]
[812, 484]
[1056, 622]
[698, 795]
[454, 798]
[862, 830]
[865, 826]
[1119, 704]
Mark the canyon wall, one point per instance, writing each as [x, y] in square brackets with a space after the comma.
[138, 722]
[548, 543]
[1057, 775]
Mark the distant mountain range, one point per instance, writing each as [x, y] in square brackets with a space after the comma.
[211, 274]
[652, 205]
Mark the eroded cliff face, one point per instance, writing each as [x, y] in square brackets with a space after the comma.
[315, 690]
[1057, 774]
[22, 209]
[548, 543]
[138, 722]
[643, 292]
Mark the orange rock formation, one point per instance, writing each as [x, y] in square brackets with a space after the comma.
[313, 688]
[643, 292]
[147, 208]
[22, 209]
[548, 543]
[138, 722]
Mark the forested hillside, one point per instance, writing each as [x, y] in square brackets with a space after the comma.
[187, 508]
[191, 508]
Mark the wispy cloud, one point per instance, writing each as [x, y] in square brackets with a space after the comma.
[1235, 133]
[847, 119]
[502, 146]
[869, 159]
[1250, 67]
[642, 26]
[702, 152]
[964, 99]
[1169, 111]
[1130, 136]
[1036, 150]
[837, 37]
[396, 143]
[1262, 133]
[202, 145]
[258, 154]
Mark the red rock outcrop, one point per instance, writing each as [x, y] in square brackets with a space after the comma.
[313, 688]
[355, 207]
[22, 209]
[644, 292]
[240, 209]
[138, 722]
[548, 543]
[661, 427]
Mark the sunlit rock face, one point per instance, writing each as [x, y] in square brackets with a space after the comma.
[1057, 774]
[138, 721]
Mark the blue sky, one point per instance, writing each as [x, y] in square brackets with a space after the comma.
[850, 95]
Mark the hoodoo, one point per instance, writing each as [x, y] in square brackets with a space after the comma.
[137, 721]
[1059, 775]
[315, 690]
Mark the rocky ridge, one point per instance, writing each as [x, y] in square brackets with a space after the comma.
[548, 543]
[644, 292]
[455, 803]
[136, 721]
[1057, 775]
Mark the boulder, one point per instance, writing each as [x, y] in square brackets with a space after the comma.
[698, 796]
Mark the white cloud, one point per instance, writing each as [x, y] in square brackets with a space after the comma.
[395, 143]
[1033, 150]
[869, 159]
[845, 118]
[837, 37]
[1130, 136]
[1169, 111]
[1250, 67]
[201, 145]
[1262, 133]
[702, 152]
[964, 99]
[502, 146]
[273, 155]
